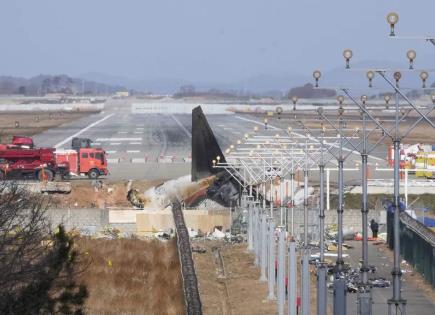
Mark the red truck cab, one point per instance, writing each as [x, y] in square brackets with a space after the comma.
[84, 159]
[93, 162]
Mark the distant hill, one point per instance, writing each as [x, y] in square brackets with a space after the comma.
[45, 84]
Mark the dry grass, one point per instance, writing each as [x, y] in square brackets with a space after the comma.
[129, 276]
[246, 295]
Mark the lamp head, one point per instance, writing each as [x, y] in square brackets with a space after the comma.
[347, 54]
[364, 99]
[392, 19]
[423, 76]
[295, 99]
[411, 54]
[397, 76]
[370, 75]
[316, 75]
[218, 158]
[320, 110]
[340, 99]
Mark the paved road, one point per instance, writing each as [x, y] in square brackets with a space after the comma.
[417, 302]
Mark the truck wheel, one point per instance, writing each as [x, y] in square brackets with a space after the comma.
[93, 174]
[45, 175]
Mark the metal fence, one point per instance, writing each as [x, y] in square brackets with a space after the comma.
[417, 245]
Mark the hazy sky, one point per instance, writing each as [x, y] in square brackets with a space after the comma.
[219, 40]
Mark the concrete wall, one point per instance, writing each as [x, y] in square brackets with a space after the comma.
[88, 221]
[204, 220]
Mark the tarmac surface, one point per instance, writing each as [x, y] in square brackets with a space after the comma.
[158, 146]
[417, 301]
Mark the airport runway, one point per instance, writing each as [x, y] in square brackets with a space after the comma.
[156, 146]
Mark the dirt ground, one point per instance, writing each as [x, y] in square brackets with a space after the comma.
[131, 277]
[109, 195]
[31, 123]
[239, 292]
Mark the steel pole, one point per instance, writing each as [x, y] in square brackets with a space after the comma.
[364, 292]
[256, 237]
[396, 305]
[271, 267]
[305, 259]
[321, 268]
[263, 260]
[292, 280]
[339, 281]
[281, 271]
[292, 191]
[250, 226]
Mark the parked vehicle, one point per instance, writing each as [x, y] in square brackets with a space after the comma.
[84, 159]
[21, 160]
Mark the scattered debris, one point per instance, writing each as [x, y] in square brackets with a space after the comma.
[218, 234]
[199, 249]
[136, 199]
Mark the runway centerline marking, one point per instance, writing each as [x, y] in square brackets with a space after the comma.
[301, 135]
[111, 151]
[133, 151]
[135, 143]
[82, 131]
[115, 143]
[187, 132]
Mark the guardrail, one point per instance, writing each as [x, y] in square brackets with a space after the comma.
[190, 282]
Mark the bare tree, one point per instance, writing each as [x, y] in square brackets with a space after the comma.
[37, 266]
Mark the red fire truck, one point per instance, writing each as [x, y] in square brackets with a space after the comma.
[21, 160]
[84, 159]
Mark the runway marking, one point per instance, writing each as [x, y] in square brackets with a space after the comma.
[301, 135]
[111, 151]
[141, 128]
[138, 132]
[122, 132]
[96, 143]
[115, 143]
[133, 151]
[135, 143]
[228, 128]
[187, 132]
[118, 139]
[82, 131]
[221, 126]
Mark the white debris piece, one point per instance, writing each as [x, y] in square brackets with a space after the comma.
[218, 234]
[192, 233]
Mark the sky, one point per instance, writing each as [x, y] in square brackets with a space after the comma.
[203, 40]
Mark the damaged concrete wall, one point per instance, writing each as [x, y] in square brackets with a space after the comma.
[204, 220]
